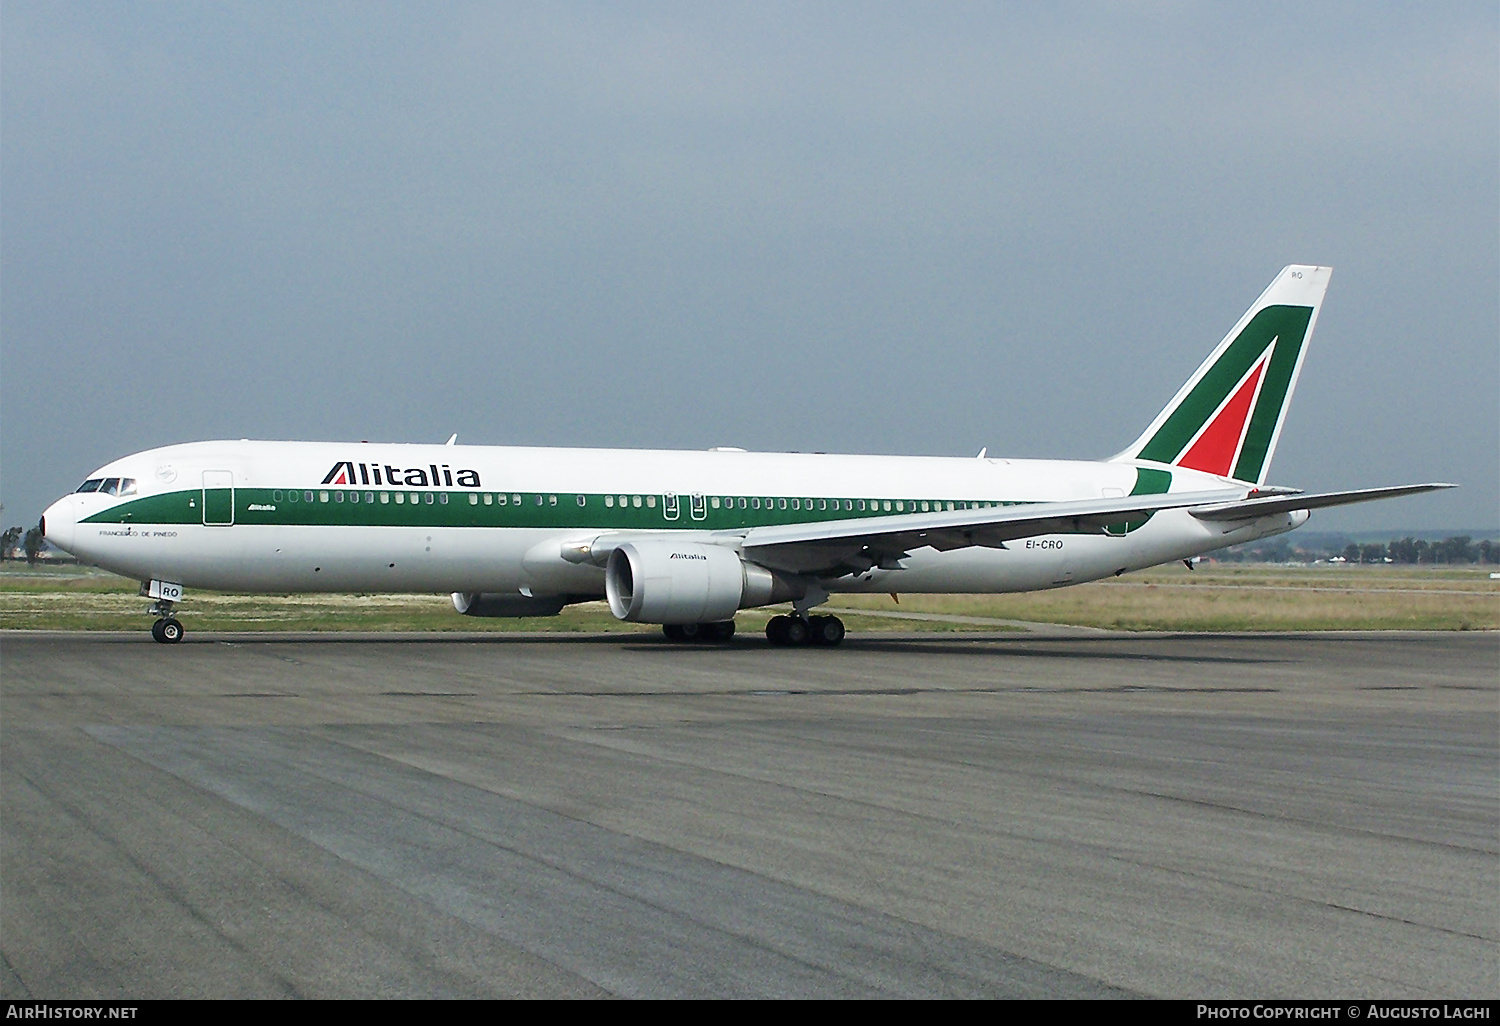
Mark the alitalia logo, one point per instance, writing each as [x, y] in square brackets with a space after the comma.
[347, 472]
[1226, 421]
[1219, 441]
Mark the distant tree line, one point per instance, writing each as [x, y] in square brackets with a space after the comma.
[1460, 550]
[31, 542]
[1457, 550]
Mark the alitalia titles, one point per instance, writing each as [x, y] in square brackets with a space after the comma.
[347, 472]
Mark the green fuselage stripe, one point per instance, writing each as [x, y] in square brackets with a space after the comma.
[337, 507]
[1148, 481]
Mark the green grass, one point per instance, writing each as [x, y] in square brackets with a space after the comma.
[1212, 598]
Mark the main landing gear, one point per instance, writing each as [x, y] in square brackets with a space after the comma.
[804, 630]
[723, 630]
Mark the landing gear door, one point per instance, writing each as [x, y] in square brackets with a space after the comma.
[218, 498]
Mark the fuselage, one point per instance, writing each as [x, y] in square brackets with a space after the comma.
[261, 516]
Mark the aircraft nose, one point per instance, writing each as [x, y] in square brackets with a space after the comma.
[58, 523]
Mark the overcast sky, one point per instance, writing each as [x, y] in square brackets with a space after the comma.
[904, 229]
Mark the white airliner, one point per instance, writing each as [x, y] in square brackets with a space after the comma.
[685, 539]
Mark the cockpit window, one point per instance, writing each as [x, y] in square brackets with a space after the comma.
[109, 485]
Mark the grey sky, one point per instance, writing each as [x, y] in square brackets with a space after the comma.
[905, 229]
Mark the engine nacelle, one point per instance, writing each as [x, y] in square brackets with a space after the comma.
[509, 605]
[685, 582]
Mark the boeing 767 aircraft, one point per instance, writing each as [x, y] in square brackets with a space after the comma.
[685, 539]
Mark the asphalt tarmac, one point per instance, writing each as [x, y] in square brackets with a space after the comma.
[926, 815]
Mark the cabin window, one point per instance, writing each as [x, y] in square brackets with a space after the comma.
[582, 501]
[385, 498]
[429, 498]
[292, 496]
[609, 500]
[755, 502]
[501, 499]
[275, 496]
[369, 496]
[861, 505]
[742, 502]
[400, 498]
[651, 501]
[714, 502]
[552, 500]
[635, 500]
[353, 496]
[488, 499]
[540, 498]
[473, 498]
[515, 498]
[338, 496]
[322, 496]
[443, 498]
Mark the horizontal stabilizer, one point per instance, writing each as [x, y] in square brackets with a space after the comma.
[1246, 509]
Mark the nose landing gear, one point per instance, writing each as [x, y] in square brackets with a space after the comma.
[167, 630]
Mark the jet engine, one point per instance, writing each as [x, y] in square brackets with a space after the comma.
[671, 582]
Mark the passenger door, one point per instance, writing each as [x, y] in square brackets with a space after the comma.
[218, 498]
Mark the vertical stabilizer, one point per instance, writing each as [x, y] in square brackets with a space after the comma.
[1228, 416]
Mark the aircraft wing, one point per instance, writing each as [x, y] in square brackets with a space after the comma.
[853, 546]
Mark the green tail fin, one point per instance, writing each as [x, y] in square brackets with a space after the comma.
[1227, 418]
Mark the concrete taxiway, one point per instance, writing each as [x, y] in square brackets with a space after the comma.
[923, 815]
